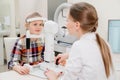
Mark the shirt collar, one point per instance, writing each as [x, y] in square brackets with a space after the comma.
[89, 35]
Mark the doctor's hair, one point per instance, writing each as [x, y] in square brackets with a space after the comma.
[86, 14]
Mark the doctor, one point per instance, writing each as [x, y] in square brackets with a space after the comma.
[89, 58]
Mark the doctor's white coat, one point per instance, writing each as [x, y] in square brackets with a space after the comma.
[85, 60]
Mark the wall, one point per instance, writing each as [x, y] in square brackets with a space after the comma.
[4, 11]
[52, 7]
[7, 9]
[6, 5]
[107, 9]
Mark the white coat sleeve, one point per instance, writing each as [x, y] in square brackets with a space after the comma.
[73, 65]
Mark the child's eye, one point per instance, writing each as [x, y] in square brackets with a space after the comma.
[35, 24]
[41, 24]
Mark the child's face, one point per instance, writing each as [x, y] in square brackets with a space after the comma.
[36, 27]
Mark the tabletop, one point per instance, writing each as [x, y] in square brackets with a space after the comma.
[12, 75]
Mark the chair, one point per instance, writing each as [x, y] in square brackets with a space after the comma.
[9, 44]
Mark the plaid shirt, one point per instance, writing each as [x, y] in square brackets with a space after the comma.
[19, 55]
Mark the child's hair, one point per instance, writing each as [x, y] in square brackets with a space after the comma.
[87, 16]
[33, 15]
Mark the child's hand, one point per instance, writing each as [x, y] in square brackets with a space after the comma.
[21, 69]
[61, 59]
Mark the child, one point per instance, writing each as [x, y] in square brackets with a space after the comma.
[19, 56]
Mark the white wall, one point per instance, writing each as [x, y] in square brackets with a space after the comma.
[107, 9]
[27, 7]
[7, 10]
[6, 5]
[12, 16]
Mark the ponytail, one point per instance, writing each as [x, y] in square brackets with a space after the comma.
[105, 52]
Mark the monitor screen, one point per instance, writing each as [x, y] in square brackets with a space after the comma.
[114, 35]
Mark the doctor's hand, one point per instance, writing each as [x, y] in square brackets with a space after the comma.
[51, 75]
[61, 58]
[21, 69]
